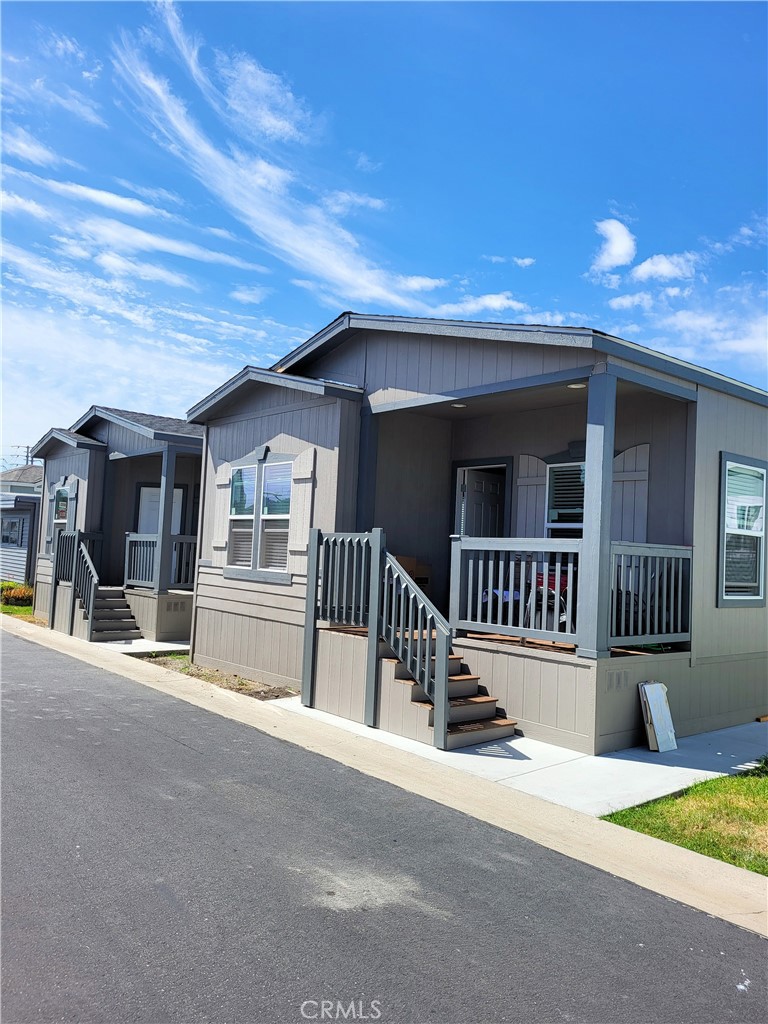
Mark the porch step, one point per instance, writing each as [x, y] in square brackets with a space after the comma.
[477, 708]
[467, 734]
[112, 617]
[112, 635]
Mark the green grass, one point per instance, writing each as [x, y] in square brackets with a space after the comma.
[23, 610]
[725, 818]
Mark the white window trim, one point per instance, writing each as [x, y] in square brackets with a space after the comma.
[727, 461]
[554, 529]
[258, 460]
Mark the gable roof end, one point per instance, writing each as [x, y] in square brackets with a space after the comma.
[210, 406]
[57, 435]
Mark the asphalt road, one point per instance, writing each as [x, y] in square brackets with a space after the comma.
[163, 864]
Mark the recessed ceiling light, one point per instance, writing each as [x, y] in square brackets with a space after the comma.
[576, 387]
[458, 405]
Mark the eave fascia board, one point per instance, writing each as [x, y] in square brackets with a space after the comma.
[205, 410]
[687, 372]
[577, 337]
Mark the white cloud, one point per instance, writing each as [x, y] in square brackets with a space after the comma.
[36, 94]
[253, 294]
[110, 200]
[19, 143]
[642, 299]
[364, 163]
[11, 203]
[472, 304]
[666, 268]
[124, 238]
[523, 261]
[261, 102]
[618, 248]
[305, 236]
[494, 259]
[415, 283]
[154, 195]
[104, 364]
[342, 202]
[121, 266]
[64, 47]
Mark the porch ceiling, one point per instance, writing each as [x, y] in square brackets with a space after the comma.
[552, 396]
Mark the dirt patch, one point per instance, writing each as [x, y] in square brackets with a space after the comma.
[22, 614]
[227, 681]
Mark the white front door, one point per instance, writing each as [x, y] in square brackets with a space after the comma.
[480, 502]
[149, 510]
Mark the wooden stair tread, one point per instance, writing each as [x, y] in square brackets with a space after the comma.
[459, 702]
[482, 725]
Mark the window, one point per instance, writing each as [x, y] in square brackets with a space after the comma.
[60, 505]
[565, 500]
[258, 529]
[11, 530]
[742, 530]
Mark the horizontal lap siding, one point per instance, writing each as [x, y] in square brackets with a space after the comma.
[252, 628]
[13, 557]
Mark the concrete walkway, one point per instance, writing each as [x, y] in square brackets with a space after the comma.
[592, 785]
[722, 890]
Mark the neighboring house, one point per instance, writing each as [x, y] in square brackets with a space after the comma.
[22, 480]
[118, 533]
[579, 513]
[18, 533]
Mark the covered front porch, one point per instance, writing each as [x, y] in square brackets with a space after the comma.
[533, 536]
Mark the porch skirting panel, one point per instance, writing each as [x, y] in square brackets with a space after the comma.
[161, 617]
[42, 600]
[551, 695]
[340, 660]
[714, 693]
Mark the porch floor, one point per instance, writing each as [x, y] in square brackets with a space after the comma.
[592, 785]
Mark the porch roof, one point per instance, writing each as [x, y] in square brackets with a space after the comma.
[349, 323]
[212, 404]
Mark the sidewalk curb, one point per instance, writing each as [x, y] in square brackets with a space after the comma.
[721, 890]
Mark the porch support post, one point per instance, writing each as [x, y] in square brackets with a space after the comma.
[594, 589]
[310, 621]
[378, 551]
[366, 470]
[162, 568]
[455, 591]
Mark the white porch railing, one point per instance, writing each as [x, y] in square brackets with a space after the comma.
[142, 551]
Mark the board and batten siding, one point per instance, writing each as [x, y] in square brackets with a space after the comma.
[551, 695]
[413, 491]
[723, 423]
[253, 627]
[395, 367]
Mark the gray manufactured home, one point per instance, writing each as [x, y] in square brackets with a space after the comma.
[456, 530]
[118, 536]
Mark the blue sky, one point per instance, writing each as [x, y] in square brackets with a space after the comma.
[192, 187]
